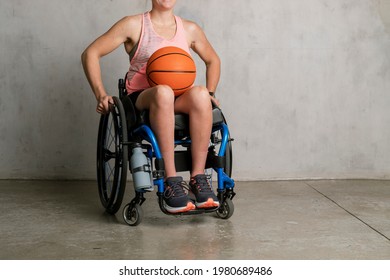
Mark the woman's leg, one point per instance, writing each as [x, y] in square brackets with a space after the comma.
[196, 103]
[159, 100]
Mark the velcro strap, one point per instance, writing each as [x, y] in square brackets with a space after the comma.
[144, 168]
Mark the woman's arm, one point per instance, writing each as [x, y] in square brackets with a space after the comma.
[200, 45]
[124, 31]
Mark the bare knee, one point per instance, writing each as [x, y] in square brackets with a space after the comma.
[200, 98]
[163, 97]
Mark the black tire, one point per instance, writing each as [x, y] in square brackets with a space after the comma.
[226, 209]
[112, 157]
[133, 214]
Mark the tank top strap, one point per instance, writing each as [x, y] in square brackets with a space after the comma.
[180, 36]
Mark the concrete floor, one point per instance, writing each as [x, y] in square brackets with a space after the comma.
[272, 220]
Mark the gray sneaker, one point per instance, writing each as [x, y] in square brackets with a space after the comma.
[175, 198]
[205, 197]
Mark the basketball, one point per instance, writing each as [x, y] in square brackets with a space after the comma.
[173, 67]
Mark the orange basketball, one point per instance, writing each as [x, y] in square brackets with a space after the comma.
[173, 67]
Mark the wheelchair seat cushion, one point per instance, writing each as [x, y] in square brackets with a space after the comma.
[182, 120]
[182, 123]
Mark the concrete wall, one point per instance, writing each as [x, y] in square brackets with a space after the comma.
[305, 84]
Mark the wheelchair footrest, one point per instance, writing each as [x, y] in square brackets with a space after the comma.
[196, 211]
[192, 212]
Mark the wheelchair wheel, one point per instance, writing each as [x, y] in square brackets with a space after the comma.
[112, 158]
[133, 214]
[226, 209]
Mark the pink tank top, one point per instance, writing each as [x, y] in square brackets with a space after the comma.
[148, 43]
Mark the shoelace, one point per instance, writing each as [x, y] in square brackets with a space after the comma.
[202, 183]
[176, 189]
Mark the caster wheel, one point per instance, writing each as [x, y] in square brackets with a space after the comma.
[133, 214]
[226, 209]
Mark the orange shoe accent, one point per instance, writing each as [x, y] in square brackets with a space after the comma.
[190, 206]
[210, 203]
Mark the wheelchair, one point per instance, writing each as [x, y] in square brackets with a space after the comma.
[124, 127]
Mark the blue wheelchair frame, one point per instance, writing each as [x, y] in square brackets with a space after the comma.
[225, 183]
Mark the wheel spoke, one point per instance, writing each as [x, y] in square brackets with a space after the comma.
[110, 136]
[109, 177]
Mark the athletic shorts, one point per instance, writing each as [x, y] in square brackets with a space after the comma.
[134, 96]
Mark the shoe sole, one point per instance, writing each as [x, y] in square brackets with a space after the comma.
[174, 210]
[210, 203]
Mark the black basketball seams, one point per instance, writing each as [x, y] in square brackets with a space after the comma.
[173, 71]
[178, 72]
[172, 53]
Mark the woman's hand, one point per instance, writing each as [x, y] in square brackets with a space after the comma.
[104, 104]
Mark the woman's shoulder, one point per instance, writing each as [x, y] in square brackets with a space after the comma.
[130, 25]
[132, 19]
[190, 26]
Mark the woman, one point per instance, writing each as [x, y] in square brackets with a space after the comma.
[142, 35]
